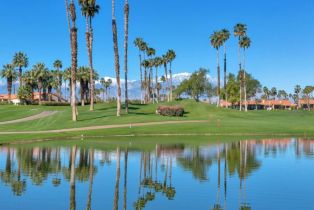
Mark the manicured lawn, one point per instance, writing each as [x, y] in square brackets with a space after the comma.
[221, 122]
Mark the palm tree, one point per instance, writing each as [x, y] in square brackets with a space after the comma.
[217, 41]
[141, 45]
[67, 77]
[41, 73]
[71, 17]
[20, 60]
[273, 92]
[225, 37]
[245, 43]
[83, 77]
[107, 84]
[240, 31]
[116, 57]
[89, 9]
[9, 73]
[29, 79]
[165, 63]
[266, 92]
[146, 65]
[297, 91]
[59, 76]
[157, 63]
[126, 45]
[171, 56]
[150, 53]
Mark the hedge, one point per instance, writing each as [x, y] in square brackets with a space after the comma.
[175, 111]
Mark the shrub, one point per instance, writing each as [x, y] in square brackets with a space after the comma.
[175, 111]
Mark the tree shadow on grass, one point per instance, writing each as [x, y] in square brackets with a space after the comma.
[95, 118]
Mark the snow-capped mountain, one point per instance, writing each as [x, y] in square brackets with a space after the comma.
[134, 86]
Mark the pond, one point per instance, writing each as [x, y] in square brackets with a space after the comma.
[255, 174]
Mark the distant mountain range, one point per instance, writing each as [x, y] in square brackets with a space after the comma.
[134, 86]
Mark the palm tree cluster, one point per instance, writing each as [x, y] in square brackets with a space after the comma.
[219, 39]
[149, 61]
[46, 81]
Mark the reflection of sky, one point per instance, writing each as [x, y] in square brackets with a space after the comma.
[283, 181]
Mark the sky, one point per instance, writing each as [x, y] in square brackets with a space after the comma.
[282, 34]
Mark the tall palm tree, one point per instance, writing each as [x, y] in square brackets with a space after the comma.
[116, 57]
[146, 64]
[217, 41]
[59, 76]
[266, 92]
[20, 60]
[71, 17]
[126, 45]
[245, 43]
[171, 56]
[67, 77]
[297, 91]
[83, 77]
[141, 45]
[150, 53]
[225, 37]
[165, 60]
[157, 64]
[29, 79]
[41, 72]
[89, 9]
[240, 31]
[10, 74]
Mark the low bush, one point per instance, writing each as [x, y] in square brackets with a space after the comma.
[175, 111]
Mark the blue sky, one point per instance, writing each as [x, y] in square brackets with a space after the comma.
[282, 33]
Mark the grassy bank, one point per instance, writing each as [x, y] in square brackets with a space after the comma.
[221, 122]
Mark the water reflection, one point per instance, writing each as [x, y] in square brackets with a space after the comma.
[155, 176]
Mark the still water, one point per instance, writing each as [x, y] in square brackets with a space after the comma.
[257, 174]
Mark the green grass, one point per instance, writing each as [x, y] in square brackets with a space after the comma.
[221, 122]
[10, 112]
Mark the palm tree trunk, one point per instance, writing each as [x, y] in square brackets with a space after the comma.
[225, 76]
[170, 73]
[9, 87]
[116, 57]
[40, 86]
[116, 191]
[82, 90]
[20, 76]
[126, 39]
[240, 70]
[218, 79]
[73, 72]
[244, 82]
[141, 72]
[89, 39]
[166, 74]
[156, 84]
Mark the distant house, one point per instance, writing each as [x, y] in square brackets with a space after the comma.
[35, 97]
[263, 104]
[306, 104]
[5, 97]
